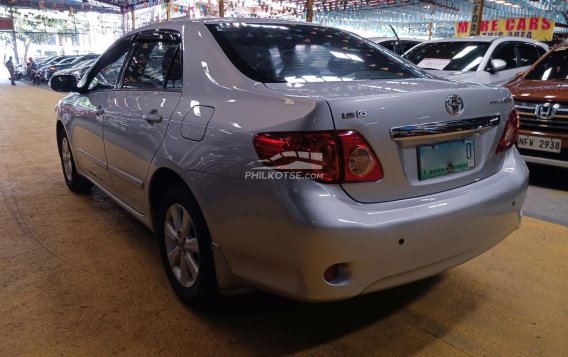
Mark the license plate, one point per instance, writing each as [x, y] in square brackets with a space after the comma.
[445, 158]
[539, 143]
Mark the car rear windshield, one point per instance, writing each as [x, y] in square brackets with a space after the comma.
[275, 53]
[552, 67]
[448, 56]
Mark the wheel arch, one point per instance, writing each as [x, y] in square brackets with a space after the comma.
[161, 180]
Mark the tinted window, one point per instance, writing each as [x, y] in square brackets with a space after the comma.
[174, 77]
[448, 56]
[552, 67]
[406, 44]
[506, 52]
[150, 65]
[304, 53]
[527, 54]
[398, 46]
[108, 70]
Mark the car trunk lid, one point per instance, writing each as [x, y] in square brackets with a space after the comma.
[407, 125]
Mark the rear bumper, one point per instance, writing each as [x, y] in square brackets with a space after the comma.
[282, 235]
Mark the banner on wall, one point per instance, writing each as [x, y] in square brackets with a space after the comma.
[6, 24]
[537, 28]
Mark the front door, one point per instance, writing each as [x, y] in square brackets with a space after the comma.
[88, 114]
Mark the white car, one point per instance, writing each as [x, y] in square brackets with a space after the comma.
[483, 60]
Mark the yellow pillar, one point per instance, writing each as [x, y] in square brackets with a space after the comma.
[221, 8]
[133, 20]
[309, 10]
[168, 9]
[476, 16]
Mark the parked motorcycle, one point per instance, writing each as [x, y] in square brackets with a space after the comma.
[35, 77]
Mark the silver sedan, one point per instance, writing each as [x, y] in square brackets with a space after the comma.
[291, 157]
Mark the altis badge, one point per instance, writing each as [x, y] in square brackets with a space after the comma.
[353, 115]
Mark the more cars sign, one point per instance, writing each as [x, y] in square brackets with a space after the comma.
[537, 28]
[6, 24]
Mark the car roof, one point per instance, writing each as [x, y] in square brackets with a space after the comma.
[485, 39]
[382, 39]
[227, 20]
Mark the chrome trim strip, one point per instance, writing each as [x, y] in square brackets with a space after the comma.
[92, 158]
[443, 128]
[146, 220]
[531, 106]
[556, 116]
[137, 182]
[544, 161]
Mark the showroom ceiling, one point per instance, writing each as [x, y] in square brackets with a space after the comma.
[63, 5]
[501, 8]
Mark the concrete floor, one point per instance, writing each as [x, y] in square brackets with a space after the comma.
[79, 276]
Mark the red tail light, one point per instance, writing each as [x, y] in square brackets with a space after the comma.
[329, 157]
[359, 161]
[511, 132]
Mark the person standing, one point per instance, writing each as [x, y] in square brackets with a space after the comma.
[10, 66]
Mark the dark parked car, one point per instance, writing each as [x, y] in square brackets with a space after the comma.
[79, 70]
[68, 63]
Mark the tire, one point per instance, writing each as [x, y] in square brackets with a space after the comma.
[183, 232]
[74, 181]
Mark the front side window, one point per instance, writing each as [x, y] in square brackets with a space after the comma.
[291, 53]
[154, 65]
[527, 54]
[108, 71]
[552, 67]
[506, 52]
[448, 56]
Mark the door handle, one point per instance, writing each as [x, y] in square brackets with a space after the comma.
[153, 117]
[99, 111]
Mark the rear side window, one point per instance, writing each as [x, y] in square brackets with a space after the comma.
[304, 53]
[150, 66]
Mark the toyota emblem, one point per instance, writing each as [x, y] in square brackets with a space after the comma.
[454, 105]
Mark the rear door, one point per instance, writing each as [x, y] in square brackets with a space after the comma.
[137, 117]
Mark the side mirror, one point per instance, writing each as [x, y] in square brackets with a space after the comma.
[64, 83]
[497, 65]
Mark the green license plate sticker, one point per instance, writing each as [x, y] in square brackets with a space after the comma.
[445, 158]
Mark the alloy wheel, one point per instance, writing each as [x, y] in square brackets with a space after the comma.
[181, 245]
[66, 157]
